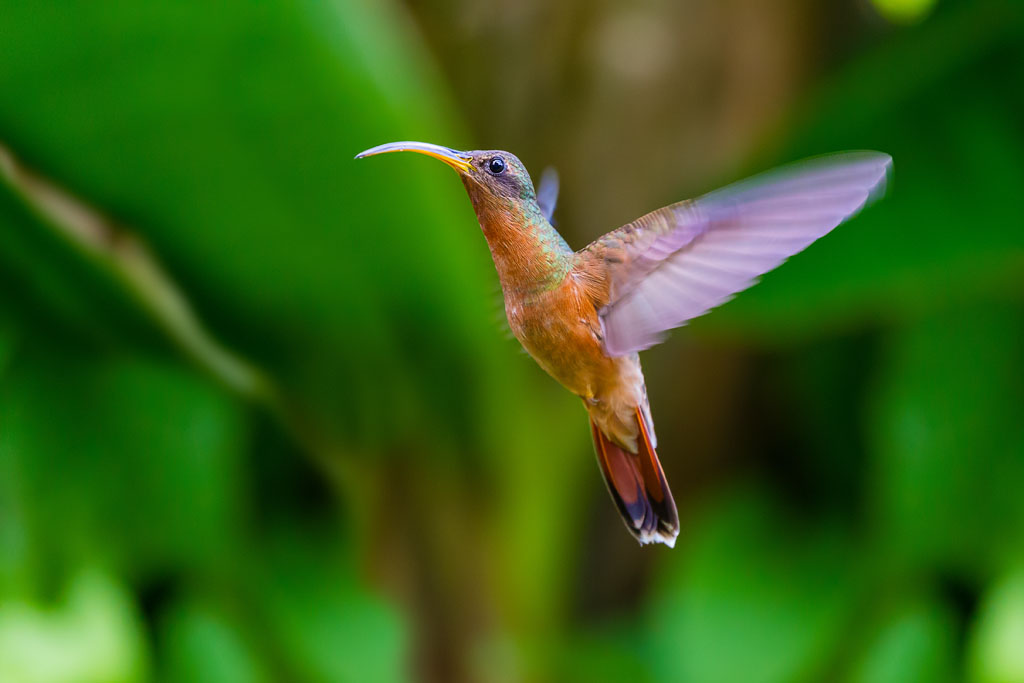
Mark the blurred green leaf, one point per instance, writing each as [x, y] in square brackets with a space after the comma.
[329, 626]
[8, 339]
[996, 653]
[121, 460]
[614, 652]
[904, 11]
[917, 642]
[200, 645]
[93, 636]
[13, 530]
[948, 442]
[752, 597]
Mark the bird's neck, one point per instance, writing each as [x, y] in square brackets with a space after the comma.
[528, 252]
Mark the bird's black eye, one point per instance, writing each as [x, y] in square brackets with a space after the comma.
[496, 165]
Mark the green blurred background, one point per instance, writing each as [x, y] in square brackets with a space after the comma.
[270, 426]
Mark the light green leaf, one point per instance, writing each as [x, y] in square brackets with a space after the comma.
[917, 642]
[94, 635]
[752, 598]
[203, 645]
[904, 11]
[328, 625]
[996, 649]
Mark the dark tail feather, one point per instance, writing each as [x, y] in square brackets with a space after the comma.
[638, 487]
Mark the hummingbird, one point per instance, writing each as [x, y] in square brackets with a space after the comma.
[585, 315]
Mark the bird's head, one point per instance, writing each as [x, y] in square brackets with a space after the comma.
[487, 174]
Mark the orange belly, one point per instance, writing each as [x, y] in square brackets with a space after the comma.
[560, 329]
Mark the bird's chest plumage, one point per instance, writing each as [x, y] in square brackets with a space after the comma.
[559, 327]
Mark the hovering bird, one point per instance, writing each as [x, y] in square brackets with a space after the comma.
[583, 315]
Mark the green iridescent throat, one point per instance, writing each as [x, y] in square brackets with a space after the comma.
[548, 247]
[529, 254]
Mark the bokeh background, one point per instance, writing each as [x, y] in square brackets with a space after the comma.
[264, 422]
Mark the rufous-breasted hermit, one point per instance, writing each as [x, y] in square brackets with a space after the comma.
[584, 315]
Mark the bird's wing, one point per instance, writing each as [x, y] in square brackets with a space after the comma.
[678, 262]
[547, 192]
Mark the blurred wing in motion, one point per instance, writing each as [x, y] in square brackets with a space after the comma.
[547, 192]
[678, 262]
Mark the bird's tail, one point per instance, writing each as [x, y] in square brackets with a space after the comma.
[638, 487]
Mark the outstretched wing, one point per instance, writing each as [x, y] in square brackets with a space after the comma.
[547, 192]
[678, 262]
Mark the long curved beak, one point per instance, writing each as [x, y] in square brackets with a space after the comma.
[457, 160]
